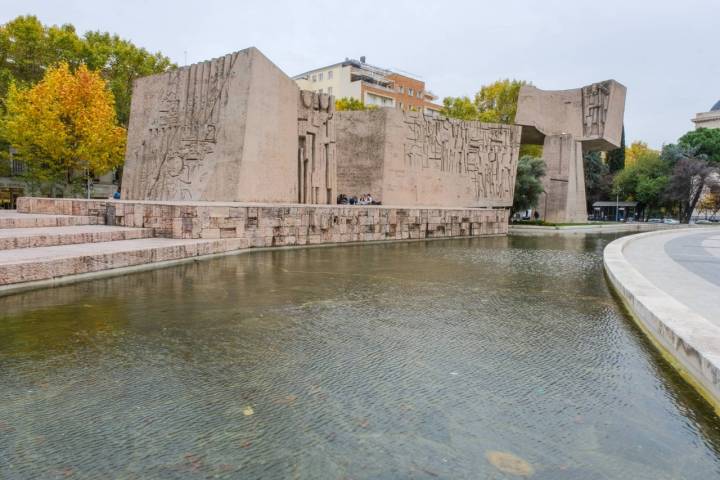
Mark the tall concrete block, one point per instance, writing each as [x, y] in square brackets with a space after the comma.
[564, 181]
[221, 130]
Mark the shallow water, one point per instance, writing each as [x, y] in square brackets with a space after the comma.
[404, 360]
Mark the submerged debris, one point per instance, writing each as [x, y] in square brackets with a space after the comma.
[508, 463]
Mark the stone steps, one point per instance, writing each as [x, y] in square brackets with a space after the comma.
[14, 238]
[12, 219]
[23, 265]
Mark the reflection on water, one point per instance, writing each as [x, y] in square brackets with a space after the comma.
[405, 360]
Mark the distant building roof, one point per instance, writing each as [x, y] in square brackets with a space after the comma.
[716, 107]
[612, 204]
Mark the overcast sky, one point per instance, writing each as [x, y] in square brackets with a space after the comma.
[665, 52]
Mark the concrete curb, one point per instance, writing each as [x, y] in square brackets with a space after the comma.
[589, 228]
[688, 340]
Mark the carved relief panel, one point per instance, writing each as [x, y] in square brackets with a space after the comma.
[317, 167]
[486, 154]
[182, 132]
[595, 100]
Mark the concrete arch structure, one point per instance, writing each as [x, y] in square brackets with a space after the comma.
[568, 124]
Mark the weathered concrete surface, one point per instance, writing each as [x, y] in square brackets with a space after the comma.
[407, 158]
[592, 114]
[12, 238]
[570, 123]
[267, 225]
[673, 302]
[229, 129]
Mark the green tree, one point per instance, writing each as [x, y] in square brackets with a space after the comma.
[528, 183]
[459, 107]
[706, 141]
[616, 158]
[598, 179]
[493, 103]
[28, 49]
[120, 63]
[636, 150]
[644, 181]
[691, 173]
[64, 127]
[497, 102]
[349, 103]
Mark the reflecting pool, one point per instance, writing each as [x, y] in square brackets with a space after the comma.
[403, 360]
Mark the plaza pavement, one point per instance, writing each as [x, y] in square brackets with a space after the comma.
[683, 264]
[670, 282]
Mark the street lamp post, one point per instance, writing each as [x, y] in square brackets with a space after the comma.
[617, 207]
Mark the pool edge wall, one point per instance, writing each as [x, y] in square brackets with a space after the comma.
[682, 336]
[269, 225]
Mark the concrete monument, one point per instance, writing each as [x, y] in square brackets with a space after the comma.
[570, 123]
[408, 158]
[235, 128]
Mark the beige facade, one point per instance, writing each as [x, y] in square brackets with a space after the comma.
[371, 85]
[709, 119]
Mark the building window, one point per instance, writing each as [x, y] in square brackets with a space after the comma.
[330, 75]
[314, 78]
[410, 92]
[320, 75]
[330, 89]
[400, 105]
[401, 89]
[419, 94]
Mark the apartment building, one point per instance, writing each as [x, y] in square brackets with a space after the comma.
[370, 84]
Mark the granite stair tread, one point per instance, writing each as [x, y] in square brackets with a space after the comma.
[43, 263]
[32, 237]
[13, 219]
[89, 249]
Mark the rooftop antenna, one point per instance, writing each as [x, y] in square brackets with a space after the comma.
[185, 54]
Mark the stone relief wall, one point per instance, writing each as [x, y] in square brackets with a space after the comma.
[317, 168]
[237, 129]
[182, 133]
[595, 101]
[486, 154]
[427, 161]
[221, 130]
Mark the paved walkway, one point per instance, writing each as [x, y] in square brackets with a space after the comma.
[684, 264]
[670, 281]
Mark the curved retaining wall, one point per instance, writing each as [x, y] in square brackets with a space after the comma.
[691, 341]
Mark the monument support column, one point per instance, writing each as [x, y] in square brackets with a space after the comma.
[564, 180]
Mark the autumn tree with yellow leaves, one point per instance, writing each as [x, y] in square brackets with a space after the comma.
[64, 128]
